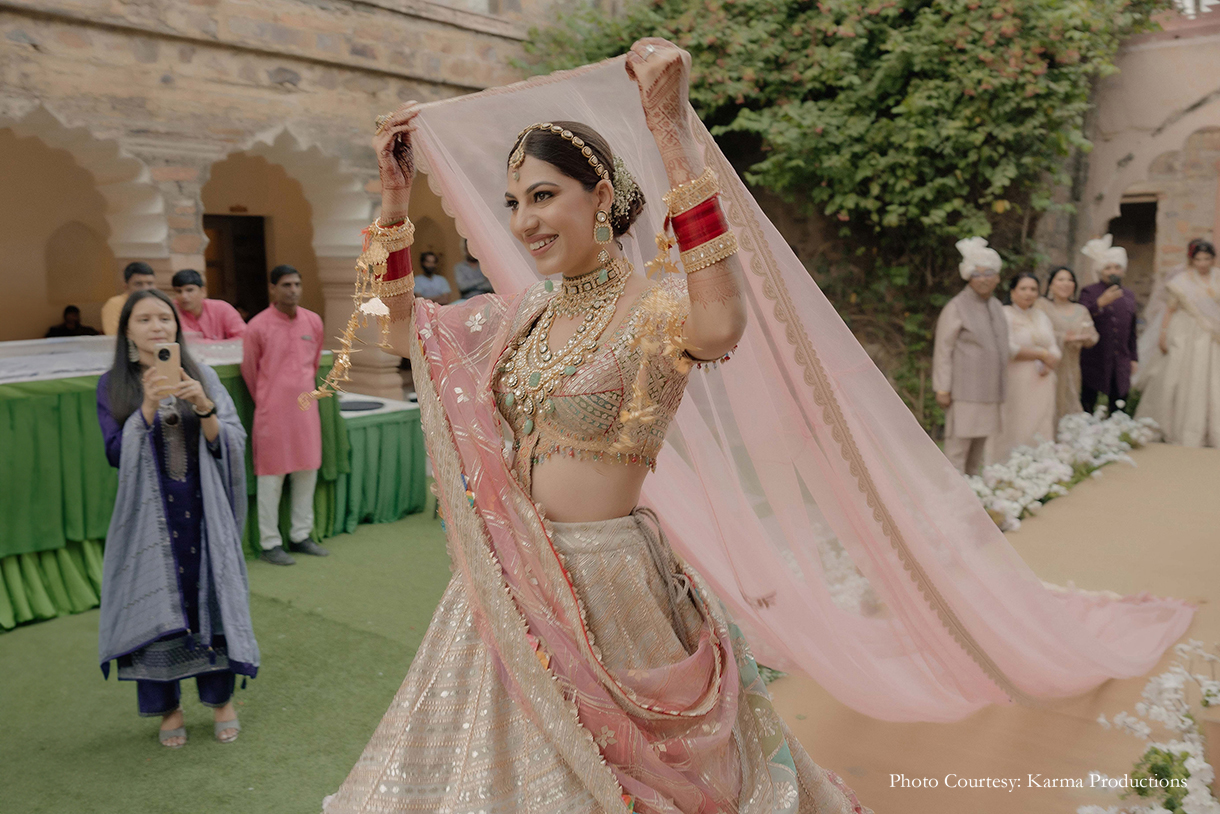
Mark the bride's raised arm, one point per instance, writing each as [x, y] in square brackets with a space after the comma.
[396, 163]
[718, 314]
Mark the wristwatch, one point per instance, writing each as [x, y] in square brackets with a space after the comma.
[207, 414]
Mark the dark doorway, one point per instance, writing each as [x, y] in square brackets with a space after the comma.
[237, 261]
[1135, 230]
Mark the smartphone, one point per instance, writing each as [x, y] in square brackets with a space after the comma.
[1115, 280]
[169, 363]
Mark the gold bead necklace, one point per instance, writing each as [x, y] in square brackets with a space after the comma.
[532, 370]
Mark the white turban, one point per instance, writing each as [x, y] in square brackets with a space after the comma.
[1103, 254]
[977, 254]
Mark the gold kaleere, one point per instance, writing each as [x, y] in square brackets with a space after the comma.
[368, 299]
[662, 264]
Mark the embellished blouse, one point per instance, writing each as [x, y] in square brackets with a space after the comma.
[618, 403]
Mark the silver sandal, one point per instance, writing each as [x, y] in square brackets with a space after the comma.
[169, 734]
[224, 726]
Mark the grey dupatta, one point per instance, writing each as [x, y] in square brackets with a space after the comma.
[139, 577]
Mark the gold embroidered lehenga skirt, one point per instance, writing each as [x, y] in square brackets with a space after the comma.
[454, 741]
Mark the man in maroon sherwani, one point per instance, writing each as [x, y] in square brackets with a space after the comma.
[1109, 366]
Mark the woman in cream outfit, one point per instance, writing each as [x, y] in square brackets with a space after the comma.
[1028, 414]
[1183, 396]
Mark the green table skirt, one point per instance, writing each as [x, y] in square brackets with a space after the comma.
[386, 481]
[57, 488]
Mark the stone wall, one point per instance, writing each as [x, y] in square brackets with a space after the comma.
[145, 97]
[1156, 134]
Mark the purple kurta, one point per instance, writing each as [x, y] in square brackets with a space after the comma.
[1115, 351]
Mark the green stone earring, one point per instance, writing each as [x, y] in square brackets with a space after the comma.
[602, 232]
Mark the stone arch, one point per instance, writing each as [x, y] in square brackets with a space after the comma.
[1185, 184]
[135, 207]
[79, 264]
[340, 206]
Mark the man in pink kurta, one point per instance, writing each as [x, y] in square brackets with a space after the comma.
[209, 319]
[280, 353]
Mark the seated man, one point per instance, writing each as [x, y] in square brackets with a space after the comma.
[136, 277]
[429, 282]
[211, 319]
[470, 278]
[71, 325]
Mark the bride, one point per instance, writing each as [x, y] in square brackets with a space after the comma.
[575, 664]
[576, 661]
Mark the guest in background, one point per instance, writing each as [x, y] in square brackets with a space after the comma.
[1028, 415]
[1073, 330]
[210, 319]
[969, 361]
[470, 279]
[71, 325]
[1109, 365]
[429, 282]
[1152, 360]
[137, 276]
[280, 354]
[1184, 396]
[175, 602]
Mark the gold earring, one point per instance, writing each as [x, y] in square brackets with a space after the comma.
[602, 233]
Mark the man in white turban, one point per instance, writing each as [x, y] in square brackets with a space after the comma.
[1108, 366]
[970, 359]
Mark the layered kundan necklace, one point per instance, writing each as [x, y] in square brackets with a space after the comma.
[531, 371]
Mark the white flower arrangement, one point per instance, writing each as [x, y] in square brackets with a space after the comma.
[1181, 757]
[1031, 476]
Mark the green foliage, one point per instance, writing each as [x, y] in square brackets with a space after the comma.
[912, 123]
[1161, 765]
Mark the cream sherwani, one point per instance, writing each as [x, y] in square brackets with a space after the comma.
[969, 363]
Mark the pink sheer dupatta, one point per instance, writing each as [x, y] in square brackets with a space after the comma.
[798, 454]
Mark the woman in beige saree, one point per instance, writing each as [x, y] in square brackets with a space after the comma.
[1027, 416]
[1074, 330]
[1184, 394]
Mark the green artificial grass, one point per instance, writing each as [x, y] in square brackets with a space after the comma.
[336, 634]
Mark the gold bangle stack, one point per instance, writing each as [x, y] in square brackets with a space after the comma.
[685, 197]
[393, 238]
[710, 253]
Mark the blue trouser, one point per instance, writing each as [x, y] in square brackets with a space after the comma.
[162, 697]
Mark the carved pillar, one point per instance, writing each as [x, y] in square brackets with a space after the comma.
[173, 220]
[374, 372]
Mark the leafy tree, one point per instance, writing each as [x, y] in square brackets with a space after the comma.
[908, 123]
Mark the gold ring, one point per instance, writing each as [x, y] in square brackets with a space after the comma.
[381, 122]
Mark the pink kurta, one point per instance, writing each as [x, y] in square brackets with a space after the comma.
[280, 362]
[217, 320]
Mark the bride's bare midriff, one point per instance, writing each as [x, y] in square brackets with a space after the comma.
[573, 491]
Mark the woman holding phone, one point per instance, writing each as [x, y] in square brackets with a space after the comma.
[175, 600]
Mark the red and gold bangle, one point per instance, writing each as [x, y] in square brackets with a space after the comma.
[394, 237]
[398, 274]
[703, 235]
[687, 196]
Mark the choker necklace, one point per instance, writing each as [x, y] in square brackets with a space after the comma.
[581, 294]
[532, 370]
